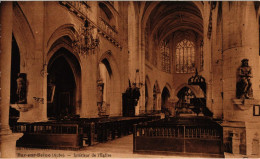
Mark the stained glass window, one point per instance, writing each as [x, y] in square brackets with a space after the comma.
[185, 57]
[165, 52]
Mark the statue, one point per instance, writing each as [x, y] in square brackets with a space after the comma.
[244, 85]
[100, 102]
[133, 94]
[21, 89]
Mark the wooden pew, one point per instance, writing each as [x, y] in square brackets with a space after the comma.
[75, 133]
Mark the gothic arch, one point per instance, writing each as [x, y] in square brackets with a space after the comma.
[165, 95]
[164, 18]
[63, 42]
[145, 12]
[168, 86]
[112, 61]
[62, 52]
[193, 89]
[23, 34]
[116, 103]
[66, 30]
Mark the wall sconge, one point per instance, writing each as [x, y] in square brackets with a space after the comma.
[84, 41]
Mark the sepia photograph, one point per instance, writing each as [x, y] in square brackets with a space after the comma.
[130, 79]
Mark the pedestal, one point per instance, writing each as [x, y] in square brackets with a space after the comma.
[22, 107]
[245, 104]
[8, 144]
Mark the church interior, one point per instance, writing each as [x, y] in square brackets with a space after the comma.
[181, 77]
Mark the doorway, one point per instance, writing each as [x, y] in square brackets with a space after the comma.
[62, 91]
[165, 97]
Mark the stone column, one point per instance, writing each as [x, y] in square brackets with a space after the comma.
[240, 28]
[8, 140]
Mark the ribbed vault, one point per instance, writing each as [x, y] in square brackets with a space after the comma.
[168, 17]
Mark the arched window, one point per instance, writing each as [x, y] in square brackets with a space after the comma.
[165, 52]
[185, 57]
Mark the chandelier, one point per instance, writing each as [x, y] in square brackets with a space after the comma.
[84, 42]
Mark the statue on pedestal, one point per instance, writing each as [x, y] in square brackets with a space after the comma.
[21, 89]
[100, 104]
[244, 85]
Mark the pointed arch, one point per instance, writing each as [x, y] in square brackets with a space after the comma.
[196, 90]
[72, 64]
[115, 82]
[23, 33]
[66, 30]
[165, 95]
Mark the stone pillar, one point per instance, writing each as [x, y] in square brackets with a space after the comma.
[8, 140]
[239, 42]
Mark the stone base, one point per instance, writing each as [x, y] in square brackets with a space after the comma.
[8, 144]
[245, 104]
[22, 107]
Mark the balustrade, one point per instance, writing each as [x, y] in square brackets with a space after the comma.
[78, 7]
[107, 28]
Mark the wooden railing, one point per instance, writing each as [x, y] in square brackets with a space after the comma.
[177, 136]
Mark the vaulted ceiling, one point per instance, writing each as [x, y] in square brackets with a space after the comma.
[168, 16]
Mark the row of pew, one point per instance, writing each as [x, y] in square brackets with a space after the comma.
[75, 133]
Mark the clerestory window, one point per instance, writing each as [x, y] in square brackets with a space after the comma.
[165, 52]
